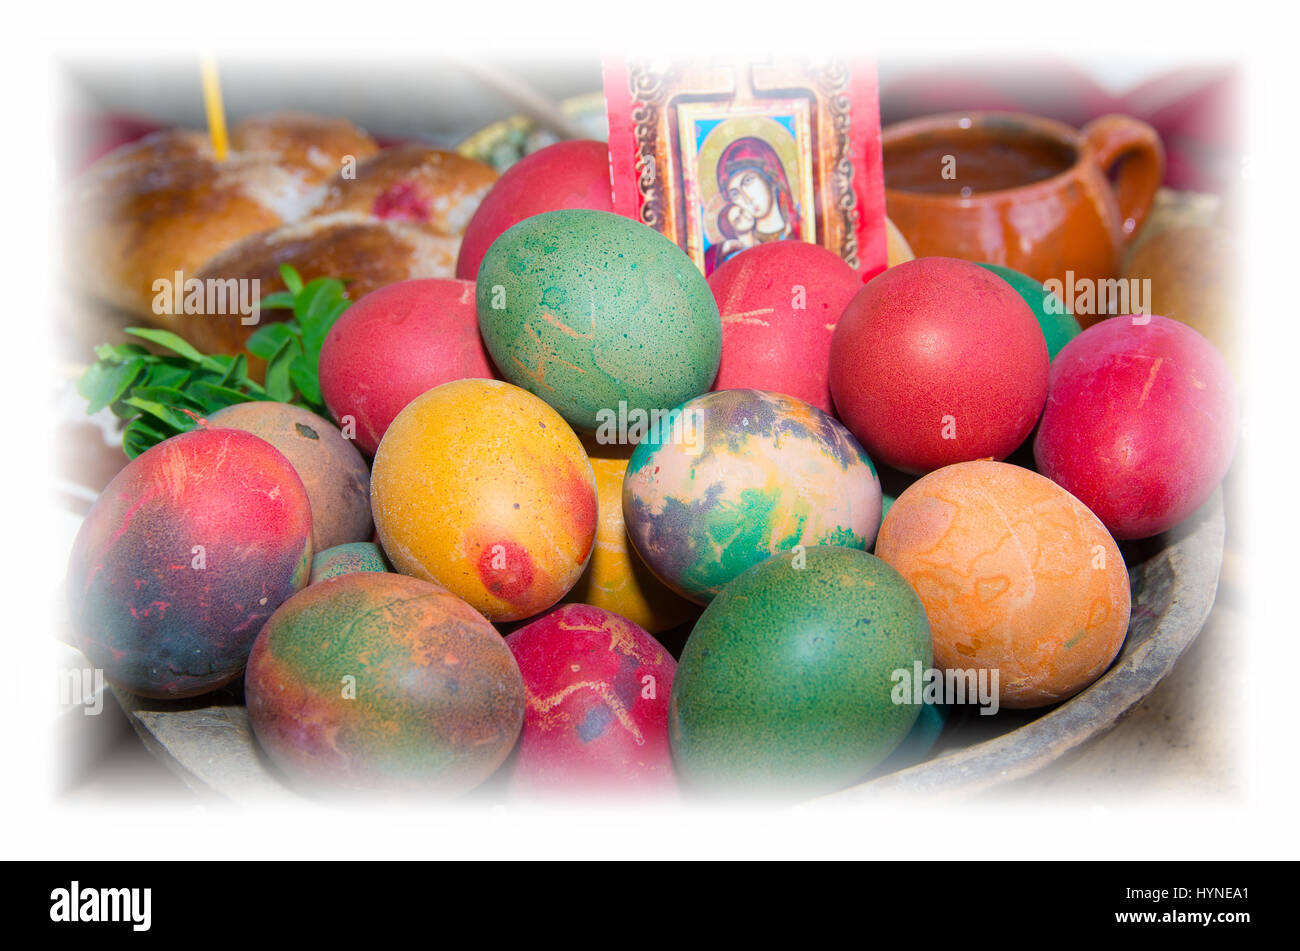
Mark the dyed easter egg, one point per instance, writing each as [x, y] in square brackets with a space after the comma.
[1016, 576]
[1140, 423]
[570, 174]
[897, 250]
[786, 684]
[596, 718]
[1058, 325]
[184, 556]
[1193, 279]
[335, 475]
[394, 344]
[616, 578]
[386, 683]
[345, 559]
[592, 311]
[938, 361]
[480, 486]
[779, 304]
[743, 475]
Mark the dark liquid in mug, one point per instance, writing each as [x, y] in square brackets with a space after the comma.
[986, 160]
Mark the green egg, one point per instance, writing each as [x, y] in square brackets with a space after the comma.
[590, 310]
[786, 685]
[1058, 325]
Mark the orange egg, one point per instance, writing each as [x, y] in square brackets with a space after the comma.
[483, 488]
[1016, 576]
[616, 579]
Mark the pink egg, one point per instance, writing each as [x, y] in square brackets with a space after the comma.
[1140, 423]
[596, 718]
[572, 174]
[394, 344]
[780, 303]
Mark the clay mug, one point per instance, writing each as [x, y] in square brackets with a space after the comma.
[1023, 191]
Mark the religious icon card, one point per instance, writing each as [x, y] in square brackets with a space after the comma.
[725, 155]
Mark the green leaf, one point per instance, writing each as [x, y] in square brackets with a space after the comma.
[267, 340]
[104, 383]
[280, 300]
[277, 371]
[291, 279]
[140, 435]
[175, 375]
[177, 421]
[214, 396]
[175, 344]
[165, 395]
[304, 378]
[122, 352]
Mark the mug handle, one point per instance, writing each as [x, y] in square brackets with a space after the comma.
[1116, 138]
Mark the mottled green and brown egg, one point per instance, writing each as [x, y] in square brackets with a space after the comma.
[481, 487]
[738, 475]
[786, 685]
[384, 683]
[345, 559]
[590, 310]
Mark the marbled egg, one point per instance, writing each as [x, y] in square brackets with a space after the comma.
[590, 310]
[616, 578]
[182, 559]
[786, 685]
[738, 476]
[380, 682]
[597, 690]
[1016, 576]
[480, 486]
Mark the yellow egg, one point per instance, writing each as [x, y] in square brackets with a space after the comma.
[897, 249]
[617, 580]
[483, 488]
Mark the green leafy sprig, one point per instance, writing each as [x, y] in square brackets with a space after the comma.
[161, 395]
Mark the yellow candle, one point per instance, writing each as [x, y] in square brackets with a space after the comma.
[212, 102]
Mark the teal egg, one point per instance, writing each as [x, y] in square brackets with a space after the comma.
[1058, 325]
[786, 684]
[346, 559]
[739, 475]
[597, 313]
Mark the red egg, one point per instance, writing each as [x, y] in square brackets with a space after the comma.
[780, 303]
[572, 174]
[394, 344]
[596, 717]
[1140, 423]
[938, 361]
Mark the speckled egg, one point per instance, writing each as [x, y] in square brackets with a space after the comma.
[780, 303]
[182, 559]
[739, 476]
[1140, 423]
[345, 559]
[597, 690]
[1058, 325]
[590, 310]
[380, 682]
[786, 685]
[616, 578]
[394, 344]
[937, 361]
[480, 486]
[569, 174]
[1016, 576]
[333, 471]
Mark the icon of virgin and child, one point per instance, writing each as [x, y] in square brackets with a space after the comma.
[754, 203]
